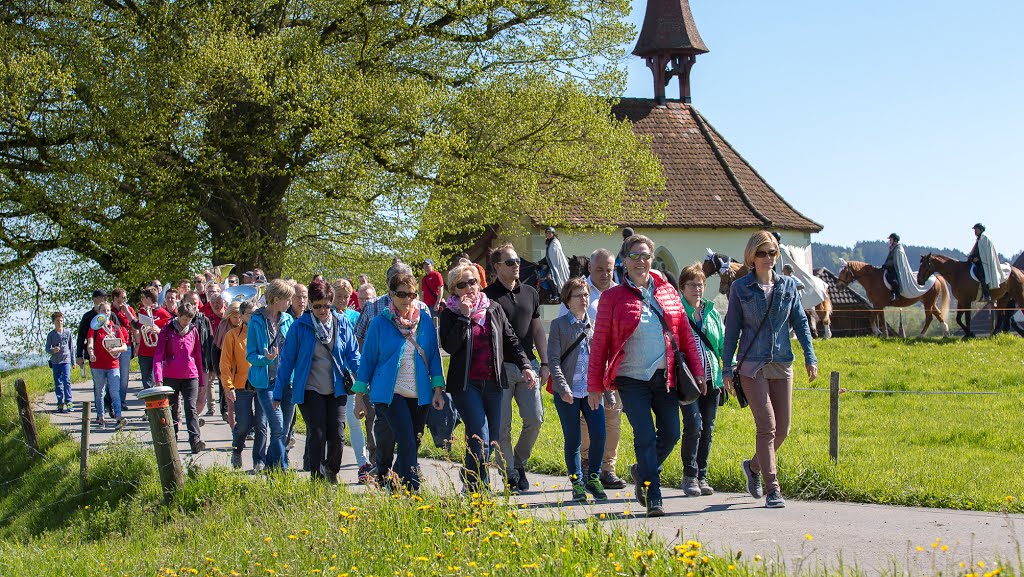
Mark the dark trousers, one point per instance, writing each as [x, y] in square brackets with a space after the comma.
[325, 429]
[146, 371]
[479, 406]
[653, 438]
[569, 415]
[384, 447]
[405, 419]
[188, 391]
[249, 415]
[698, 428]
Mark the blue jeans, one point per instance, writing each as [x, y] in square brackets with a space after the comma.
[653, 438]
[109, 379]
[278, 420]
[62, 382]
[479, 405]
[249, 414]
[146, 370]
[405, 418]
[356, 437]
[698, 428]
[125, 361]
[569, 416]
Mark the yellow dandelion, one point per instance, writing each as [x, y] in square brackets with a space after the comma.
[945, 548]
[731, 567]
[920, 548]
[808, 536]
[293, 537]
[757, 558]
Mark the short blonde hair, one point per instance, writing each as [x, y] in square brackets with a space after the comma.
[757, 240]
[279, 289]
[456, 273]
[343, 285]
[235, 308]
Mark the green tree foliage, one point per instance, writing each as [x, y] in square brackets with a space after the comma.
[140, 138]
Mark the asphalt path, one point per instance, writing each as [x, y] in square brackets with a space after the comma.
[873, 538]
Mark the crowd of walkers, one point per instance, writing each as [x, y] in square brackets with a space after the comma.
[339, 354]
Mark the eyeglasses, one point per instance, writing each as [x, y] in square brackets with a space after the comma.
[320, 306]
[694, 285]
[466, 283]
[581, 296]
[511, 262]
[644, 256]
[768, 253]
[405, 295]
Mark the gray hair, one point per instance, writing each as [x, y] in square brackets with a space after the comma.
[600, 254]
[398, 267]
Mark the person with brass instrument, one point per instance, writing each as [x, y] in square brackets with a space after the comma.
[149, 333]
[215, 309]
[179, 361]
[104, 345]
[245, 411]
[265, 337]
[127, 319]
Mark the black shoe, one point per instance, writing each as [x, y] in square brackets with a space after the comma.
[524, 484]
[655, 509]
[641, 491]
[612, 481]
[512, 482]
[198, 447]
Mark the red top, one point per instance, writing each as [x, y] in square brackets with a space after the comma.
[353, 302]
[125, 319]
[430, 288]
[105, 360]
[214, 317]
[618, 316]
[161, 317]
[481, 362]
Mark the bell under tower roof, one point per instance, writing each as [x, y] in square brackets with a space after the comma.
[669, 42]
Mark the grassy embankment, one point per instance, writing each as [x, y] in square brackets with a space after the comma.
[951, 451]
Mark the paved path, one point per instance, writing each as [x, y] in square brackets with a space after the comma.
[872, 537]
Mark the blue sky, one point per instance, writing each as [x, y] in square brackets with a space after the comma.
[871, 116]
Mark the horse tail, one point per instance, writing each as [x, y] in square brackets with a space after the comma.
[944, 297]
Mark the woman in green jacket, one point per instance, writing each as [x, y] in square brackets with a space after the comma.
[699, 416]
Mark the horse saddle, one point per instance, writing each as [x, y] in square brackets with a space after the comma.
[1002, 266]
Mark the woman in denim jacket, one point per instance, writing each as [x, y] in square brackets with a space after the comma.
[765, 356]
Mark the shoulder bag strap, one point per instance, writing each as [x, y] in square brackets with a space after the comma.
[573, 346]
[758, 331]
[703, 337]
[419, 349]
[330, 351]
[664, 323]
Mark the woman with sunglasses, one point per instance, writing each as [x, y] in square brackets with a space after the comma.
[763, 307]
[631, 352]
[477, 335]
[320, 345]
[401, 369]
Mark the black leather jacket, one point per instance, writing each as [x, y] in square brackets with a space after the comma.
[457, 340]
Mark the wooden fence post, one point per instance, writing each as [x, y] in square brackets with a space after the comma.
[833, 418]
[28, 420]
[83, 459]
[165, 442]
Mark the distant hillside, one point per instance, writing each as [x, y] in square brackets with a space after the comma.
[874, 252]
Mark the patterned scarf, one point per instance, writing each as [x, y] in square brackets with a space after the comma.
[477, 314]
[407, 323]
[323, 330]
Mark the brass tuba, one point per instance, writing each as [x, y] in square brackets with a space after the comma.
[150, 332]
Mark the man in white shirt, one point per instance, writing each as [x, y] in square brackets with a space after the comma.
[602, 273]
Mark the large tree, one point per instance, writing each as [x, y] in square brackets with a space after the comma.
[142, 137]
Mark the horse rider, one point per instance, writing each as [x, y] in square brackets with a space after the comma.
[889, 266]
[975, 259]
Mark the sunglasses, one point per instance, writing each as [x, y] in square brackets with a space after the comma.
[405, 295]
[466, 283]
[644, 256]
[764, 253]
[511, 262]
[320, 307]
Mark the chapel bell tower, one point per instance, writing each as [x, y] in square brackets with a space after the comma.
[669, 42]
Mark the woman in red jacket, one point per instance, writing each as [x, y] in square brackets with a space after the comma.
[631, 352]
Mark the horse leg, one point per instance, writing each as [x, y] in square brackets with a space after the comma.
[928, 314]
[812, 320]
[960, 323]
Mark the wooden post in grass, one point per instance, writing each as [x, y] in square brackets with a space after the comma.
[28, 420]
[833, 418]
[83, 456]
[165, 442]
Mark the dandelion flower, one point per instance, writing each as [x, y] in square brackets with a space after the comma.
[809, 537]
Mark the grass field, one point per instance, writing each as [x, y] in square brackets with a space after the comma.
[952, 451]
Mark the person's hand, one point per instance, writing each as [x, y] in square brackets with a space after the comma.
[566, 398]
[812, 373]
[727, 381]
[270, 353]
[594, 400]
[703, 387]
[466, 304]
[81, 361]
[92, 358]
[531, 378]
[229, 394]
[54, 350]
[439, 399]
[277, 405]
[610, 398]
[545, 372]
[360, 408]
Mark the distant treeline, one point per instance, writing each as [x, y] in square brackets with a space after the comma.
[874, 252]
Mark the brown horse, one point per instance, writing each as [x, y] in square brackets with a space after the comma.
[822, 312]
[870, 278]
[965, 289]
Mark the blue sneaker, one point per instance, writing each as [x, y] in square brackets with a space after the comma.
[753, 481]
[774, 500]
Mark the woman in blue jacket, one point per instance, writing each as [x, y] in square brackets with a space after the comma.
[265, 337]
[319, 348]
[401, 369]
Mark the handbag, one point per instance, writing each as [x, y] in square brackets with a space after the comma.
[687, 387]
[550, 387]
[740, 397]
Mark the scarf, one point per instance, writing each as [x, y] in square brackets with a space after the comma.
[323, 330]
[406, 324]
[177, 328]
[477, 314]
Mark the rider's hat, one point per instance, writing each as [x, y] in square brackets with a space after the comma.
[979, 225]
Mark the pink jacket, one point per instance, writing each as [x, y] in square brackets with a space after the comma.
[178, 357]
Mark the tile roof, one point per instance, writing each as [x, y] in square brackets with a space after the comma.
[841, 297]
[707, 183]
